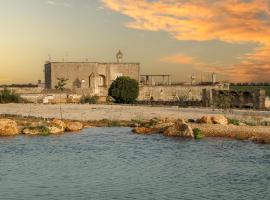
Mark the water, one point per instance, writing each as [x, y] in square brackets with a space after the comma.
[113, 163]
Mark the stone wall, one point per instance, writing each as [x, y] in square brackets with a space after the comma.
[25, 90]
[235, 99]
[176, 92]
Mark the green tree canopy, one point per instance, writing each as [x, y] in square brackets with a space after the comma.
[124, 90]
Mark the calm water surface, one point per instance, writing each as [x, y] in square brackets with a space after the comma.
[113, 163]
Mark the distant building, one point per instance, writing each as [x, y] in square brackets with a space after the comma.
[89, 77]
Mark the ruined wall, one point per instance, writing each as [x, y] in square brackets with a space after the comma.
[175, 93]
[235, 99]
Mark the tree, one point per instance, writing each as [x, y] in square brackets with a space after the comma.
[62, 82]
[124, 90]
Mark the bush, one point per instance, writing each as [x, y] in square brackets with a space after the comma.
[198, 134]
[234, 122]
[7, 96]
[89, 99]
[124, 90]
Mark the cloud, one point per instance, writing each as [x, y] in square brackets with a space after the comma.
[230, 21]
[59, 3]
[181, 59]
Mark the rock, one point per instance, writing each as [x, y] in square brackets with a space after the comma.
[74, 126]
[37, 130]
[8, 127]
[163, 125]
[59, 123]
[179, 130]
[55, 130]
[262, 139]
[144, 130]
[178, 123]
[171, 132]
[205, 120]
[31, 131]
[219, 119]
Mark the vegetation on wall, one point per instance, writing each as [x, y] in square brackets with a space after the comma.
[251, 88]
[8, 96]
[222, 101]
[124, 90]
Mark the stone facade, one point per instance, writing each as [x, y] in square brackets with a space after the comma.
[88, 77]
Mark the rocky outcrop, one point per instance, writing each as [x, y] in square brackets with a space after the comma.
[218, 119]
[179, 129]
[73, 126]
[144, 130]
[36, 130]
[8, 127]
[57, 123]
[55, 130]
[205, 120]
[31, 131]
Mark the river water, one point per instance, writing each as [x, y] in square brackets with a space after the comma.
[113, 163]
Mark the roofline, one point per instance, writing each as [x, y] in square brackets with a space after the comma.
[97, 62]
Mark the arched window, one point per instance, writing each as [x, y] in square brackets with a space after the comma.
[101, 81]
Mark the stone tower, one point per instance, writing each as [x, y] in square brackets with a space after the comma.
[119, 56]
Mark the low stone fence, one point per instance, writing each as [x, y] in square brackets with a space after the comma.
[172, 103]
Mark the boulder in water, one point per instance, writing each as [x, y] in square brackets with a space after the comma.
[8, 127]
[59, 124]
[180, 129]
[74, 126]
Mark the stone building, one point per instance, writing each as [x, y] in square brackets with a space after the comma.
[92, 78]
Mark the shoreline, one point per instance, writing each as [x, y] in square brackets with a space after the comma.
[258, 134]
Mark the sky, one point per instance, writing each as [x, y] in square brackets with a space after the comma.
[177, 37]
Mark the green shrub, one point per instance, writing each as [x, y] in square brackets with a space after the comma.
[8, 96]
[234, 122]
[198, 134]
[124, 90]
[44, 131]
[89, 99]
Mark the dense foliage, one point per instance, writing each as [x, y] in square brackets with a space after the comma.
[8, 96]
[124, 90]
[251, 88]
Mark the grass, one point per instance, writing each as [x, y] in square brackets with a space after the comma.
[234, 122]
[198, 134]
[250, 88]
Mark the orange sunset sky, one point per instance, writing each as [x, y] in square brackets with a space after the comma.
[177, 37]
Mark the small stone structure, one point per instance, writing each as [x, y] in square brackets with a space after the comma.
[91, 78]
[236, 99]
